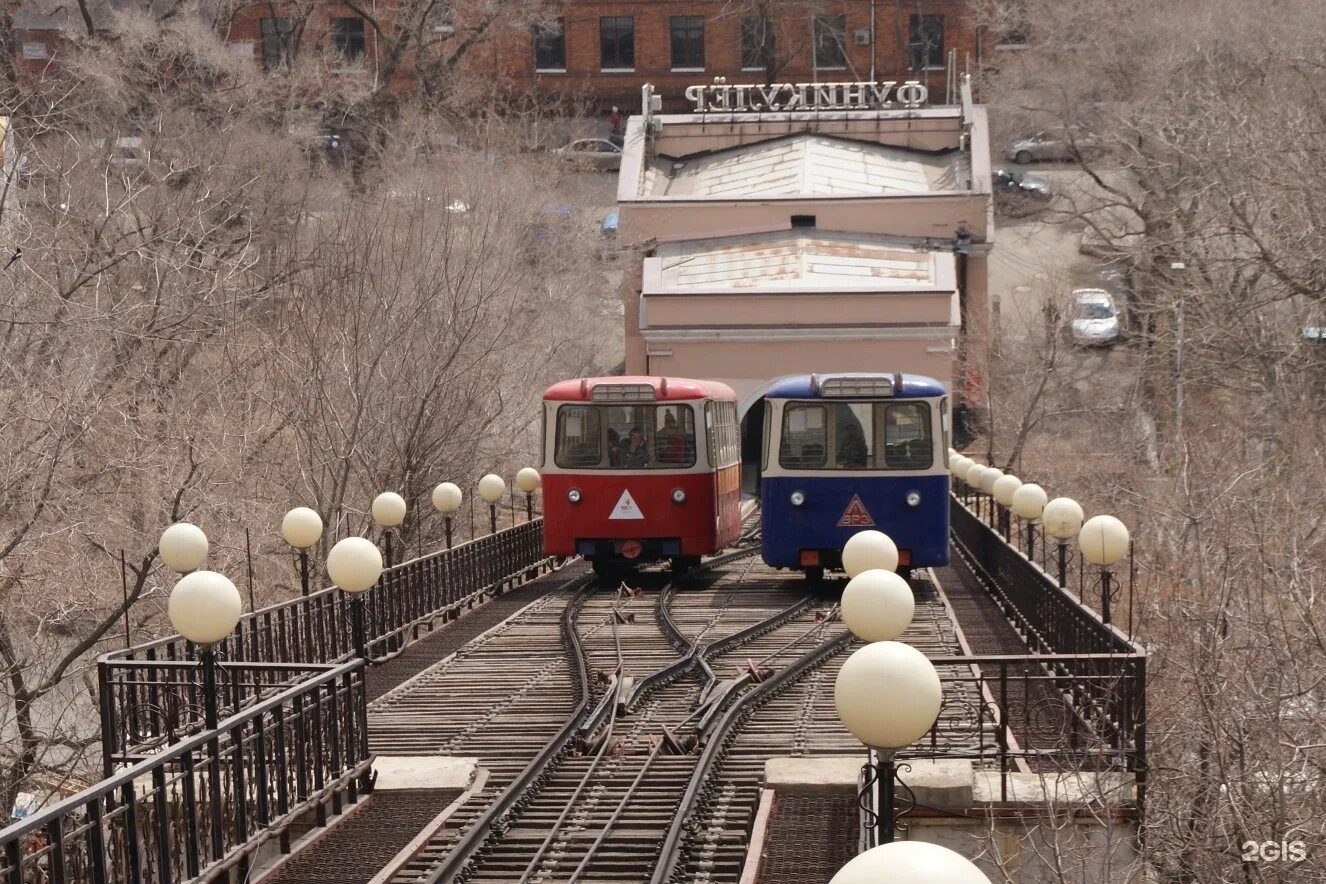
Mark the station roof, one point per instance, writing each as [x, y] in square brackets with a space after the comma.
[802, 164]
[800, 260]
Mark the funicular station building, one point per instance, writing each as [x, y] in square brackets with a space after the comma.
[793, 229]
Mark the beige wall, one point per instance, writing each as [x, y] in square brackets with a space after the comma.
[746, 364]
[930, 130]
[798, 311]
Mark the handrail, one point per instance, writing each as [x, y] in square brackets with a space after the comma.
[107, 786]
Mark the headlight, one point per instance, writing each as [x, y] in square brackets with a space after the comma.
[798, 498]
[913, 498]
[573, 495]
[678, 496]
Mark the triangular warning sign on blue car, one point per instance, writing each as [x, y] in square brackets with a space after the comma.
[856, 515]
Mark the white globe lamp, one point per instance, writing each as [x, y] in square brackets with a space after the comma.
[388, 509]
[989, 476]
[1029, 501]
[354, 564]
[888, 695]
[1004, 488]
[204, 607]
[1062, 518]
[869, 549]
[447, 497]
[301, 527]
[910, 862]
[183, 547]
[491, 488]
[528, 480]
[877, 605]
[1103, 541]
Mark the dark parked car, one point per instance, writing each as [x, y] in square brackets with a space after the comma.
[1018, 193]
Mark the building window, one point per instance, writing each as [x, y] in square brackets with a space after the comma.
[830, 34]
[687, 42]
[925, 43]
[277, 42]
[550, 46]
[617, 43]
[348, 38]
[757, 43]
[34, 51]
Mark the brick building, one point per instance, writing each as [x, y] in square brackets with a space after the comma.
[605, 51]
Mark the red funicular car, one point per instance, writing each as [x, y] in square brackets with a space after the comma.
[638, 469]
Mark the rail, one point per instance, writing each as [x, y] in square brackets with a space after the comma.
[1041, 713]
[202, 806]
[149, 694]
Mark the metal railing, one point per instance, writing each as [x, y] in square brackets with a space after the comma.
[205, 804]
[1050, 618]
[150, 693]
[1041, 713]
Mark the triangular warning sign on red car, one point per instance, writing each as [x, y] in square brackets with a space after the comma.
[627, 509]
[856, 515]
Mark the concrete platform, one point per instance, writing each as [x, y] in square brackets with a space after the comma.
[1067, 788]
[414, 772]
[825, 775]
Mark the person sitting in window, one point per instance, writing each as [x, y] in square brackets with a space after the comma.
[614, 448]
[636, 453]
[852, 451]
[671, 443]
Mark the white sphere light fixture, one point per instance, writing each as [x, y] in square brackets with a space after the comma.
[1103, 540]
[877, 605]
[301, 527]
[354, 564]
[388, 509]
[989, 476]
[960, 465]
[910, 862]
[1029, 501]
[869, 549]
[1062, 518]
[204, 607]
[491, 488]
[183, 547]
[528, 480]
[888, 695]
[447, 497]
[1004, 488]
[974, 474]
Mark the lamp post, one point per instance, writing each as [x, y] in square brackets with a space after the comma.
[910, 862]
[989, 476]
[1062, 518]
[877, 605]
[388, 512]
[183, 547]
[528, 481]
[302, 529]
[355, 564]
[447, 498]
[1104, 542]
[1002, 491]
[866, 550]
[888, 695]
[204, 607]
[491, 489]
[1028, 504]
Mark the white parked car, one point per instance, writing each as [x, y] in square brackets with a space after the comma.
[593, 153]
[1095, 318]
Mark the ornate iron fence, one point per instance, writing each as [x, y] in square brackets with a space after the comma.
[206, 803]
[1050, 618]
[149, 693]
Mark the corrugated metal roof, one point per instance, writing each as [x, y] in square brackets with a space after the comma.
[820, 258]
[803, 164]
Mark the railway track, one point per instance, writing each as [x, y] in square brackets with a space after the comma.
[590, 737]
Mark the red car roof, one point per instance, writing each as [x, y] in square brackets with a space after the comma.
[665, 389]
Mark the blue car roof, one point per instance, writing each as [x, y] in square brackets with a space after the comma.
[806, 386]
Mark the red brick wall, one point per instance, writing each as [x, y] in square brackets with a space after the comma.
[511, 58]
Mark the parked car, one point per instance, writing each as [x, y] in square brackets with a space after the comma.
[1056, 146]
[1095, 319]
[1017, 192]
[596, 153]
